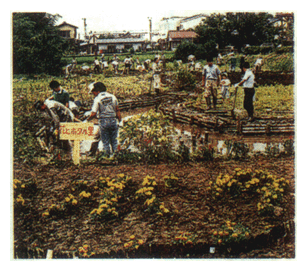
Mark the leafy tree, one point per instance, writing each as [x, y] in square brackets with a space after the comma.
[37, 46]
[251, 28]
[235, 29]
[185, 49]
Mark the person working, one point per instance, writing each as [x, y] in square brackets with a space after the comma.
[59, 94]
[106, 106]
[248, 82]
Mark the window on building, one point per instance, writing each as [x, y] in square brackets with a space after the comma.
[65, 33]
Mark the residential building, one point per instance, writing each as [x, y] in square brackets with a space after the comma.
[174, 38]
[115, 45]
[68, 30]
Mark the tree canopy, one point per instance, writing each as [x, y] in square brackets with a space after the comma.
[37, 46]
[236, 29]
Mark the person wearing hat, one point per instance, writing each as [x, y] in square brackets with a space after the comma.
[211, 78]
[105, 108]
[248, 82]
[59, 94]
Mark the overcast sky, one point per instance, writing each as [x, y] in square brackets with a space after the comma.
[109, 20]
[118, 15]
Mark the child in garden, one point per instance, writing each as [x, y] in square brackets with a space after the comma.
[225, 83]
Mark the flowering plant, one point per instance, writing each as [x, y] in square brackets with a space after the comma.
[268, 188]
[147, 193]
[133, 243]
[185, 238]
[230, 232]
[85, 251]
[112, 192]
[171, 180]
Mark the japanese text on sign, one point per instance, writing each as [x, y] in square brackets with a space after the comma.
[76, 131]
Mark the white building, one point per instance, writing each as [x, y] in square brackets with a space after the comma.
[192, 22]
[180, 23]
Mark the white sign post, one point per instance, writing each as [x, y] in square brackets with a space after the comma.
[76, 131]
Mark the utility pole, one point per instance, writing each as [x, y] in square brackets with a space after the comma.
[85, 34]
[150, 29]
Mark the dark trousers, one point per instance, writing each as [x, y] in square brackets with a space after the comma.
[248, 101]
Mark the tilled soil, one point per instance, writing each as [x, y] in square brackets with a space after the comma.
[192, 210]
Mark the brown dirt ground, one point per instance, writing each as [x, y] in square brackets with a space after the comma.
[191, 210]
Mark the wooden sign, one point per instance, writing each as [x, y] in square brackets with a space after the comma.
[76, 131]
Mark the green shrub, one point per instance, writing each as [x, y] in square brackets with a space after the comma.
[184, 79]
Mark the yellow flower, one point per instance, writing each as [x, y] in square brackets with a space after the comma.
[219, 241]
[85, 247]
[274, 196]
[121, 175]
[246, 234]
[93, 211]
[45, 213]
[126, 245]
[235, 235]
[140, 242]
[215, 233]
[99, 211]
[221, 233]
[132, 237]
[67, 199]
[165, 210]
[74, 202]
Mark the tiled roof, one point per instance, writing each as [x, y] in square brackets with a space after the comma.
[181, 34]
[64, 23]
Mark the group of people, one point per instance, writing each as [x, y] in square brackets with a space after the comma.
[212, 78]
[60, 108]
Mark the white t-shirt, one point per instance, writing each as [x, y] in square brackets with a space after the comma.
[250, 79]
[105, 105]
[211, 72]
[51, 104]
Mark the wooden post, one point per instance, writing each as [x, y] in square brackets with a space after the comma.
[49, 254]
[174, 115]
[206, 137]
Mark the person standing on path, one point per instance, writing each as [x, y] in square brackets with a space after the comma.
[248, 82]
[156, 70]
[96, 65]
[211, 79]
[106, 106]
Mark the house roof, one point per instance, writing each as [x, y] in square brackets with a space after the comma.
[64, 23]
[183, 34]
